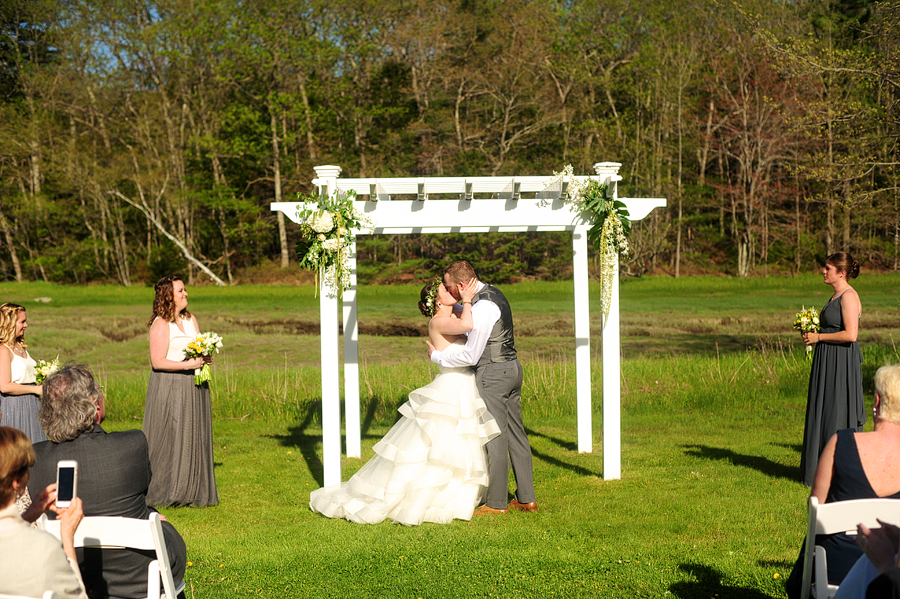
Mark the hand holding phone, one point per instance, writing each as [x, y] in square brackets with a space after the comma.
[66, 482]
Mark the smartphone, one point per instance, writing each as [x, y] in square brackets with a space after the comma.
[66, 482]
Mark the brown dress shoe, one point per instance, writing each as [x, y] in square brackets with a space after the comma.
[486, 509]
[523, 507]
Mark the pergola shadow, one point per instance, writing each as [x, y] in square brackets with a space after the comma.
[761, 464]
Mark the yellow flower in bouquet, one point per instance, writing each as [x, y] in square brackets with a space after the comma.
[203, 346]
[807, 321]
[43, 369]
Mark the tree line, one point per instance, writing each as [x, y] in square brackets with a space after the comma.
[138, 137]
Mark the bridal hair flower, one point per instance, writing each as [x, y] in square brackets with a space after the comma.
[431, 298]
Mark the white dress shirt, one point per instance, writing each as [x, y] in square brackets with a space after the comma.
[485, 314]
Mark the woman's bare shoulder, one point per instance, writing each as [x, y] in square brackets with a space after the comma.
[159, 327]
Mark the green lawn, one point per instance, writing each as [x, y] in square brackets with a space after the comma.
[713, 399]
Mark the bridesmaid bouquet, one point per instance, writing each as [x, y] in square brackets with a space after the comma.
[45, 369]
[807, 321]
[202, 346]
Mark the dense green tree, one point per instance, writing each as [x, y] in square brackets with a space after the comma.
[141, 137]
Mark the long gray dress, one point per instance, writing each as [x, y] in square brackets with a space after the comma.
[178, 426]
[835, 399]
[21, 411]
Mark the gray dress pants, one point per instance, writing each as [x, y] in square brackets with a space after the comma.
[500, 385]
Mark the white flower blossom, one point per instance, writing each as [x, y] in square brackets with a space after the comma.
[321, 221]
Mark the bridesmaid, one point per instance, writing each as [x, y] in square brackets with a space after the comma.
[835, 398]
[19, 396]
[177, 414]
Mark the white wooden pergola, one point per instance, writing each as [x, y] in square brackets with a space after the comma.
[469, 205]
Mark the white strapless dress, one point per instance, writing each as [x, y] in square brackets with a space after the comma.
[430, 467]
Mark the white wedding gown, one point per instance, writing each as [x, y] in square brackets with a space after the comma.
[430, 467]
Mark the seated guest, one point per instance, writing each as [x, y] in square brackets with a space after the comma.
[857, 466]
[113, 477]
[877, 573]
[33, 561]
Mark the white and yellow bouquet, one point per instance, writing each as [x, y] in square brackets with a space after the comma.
[43, 369]
[326, 231]
[202, 346]
[807, 321]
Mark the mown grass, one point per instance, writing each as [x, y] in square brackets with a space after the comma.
[713, 399]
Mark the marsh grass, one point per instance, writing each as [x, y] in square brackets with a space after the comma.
[713, 399]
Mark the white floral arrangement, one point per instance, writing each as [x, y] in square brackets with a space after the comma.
[43, 369]
[609, 231]
[202, 346]
[326, 235]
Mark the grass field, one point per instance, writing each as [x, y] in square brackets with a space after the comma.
[713, 396]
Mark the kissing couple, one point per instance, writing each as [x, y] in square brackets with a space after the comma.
[452, 447]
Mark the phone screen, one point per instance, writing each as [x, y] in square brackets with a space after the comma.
[65, 488]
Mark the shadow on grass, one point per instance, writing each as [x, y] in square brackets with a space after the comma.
[306, 443]
[310, 444]
[764, 465]
[555, 461]
[795, 447]
[708, 583]
[571, 446]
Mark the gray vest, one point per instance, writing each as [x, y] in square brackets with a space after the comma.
[501, 346]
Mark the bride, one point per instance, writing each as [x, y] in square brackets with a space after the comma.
[431, 466]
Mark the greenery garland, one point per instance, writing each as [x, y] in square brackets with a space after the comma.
[609, 232]
[431, 297]
[326, 233]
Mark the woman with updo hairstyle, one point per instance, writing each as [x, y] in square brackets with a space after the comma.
[19, 396]
[177, 413]
[33, 561]
[835, 397]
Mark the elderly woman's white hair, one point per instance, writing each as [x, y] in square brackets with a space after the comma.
[887, 386]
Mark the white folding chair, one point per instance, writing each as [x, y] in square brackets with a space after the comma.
[47, 595]
[114, 532]
[831, 518]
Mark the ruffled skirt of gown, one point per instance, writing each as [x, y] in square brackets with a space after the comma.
[430, 467]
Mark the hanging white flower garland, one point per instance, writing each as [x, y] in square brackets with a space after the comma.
[609, 231]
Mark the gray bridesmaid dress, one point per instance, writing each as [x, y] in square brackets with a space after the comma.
[178, 426]
[835, 398]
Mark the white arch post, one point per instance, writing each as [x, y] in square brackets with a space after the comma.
[450, 205]
[328, 331]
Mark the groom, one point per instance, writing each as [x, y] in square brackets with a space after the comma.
[491, 352]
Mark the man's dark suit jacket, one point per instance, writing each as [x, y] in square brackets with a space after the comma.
[113, 476]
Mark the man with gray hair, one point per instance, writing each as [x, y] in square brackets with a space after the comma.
[113, 477]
